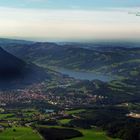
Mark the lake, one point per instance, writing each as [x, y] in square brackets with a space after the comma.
[85, 75]
[49, 110]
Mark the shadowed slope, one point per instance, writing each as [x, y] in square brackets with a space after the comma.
[16, 73]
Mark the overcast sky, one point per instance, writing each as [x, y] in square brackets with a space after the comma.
[70, 20]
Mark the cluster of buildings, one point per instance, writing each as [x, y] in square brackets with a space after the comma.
[35, 92]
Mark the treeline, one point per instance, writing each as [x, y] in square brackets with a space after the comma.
[58, 133]
[112, 120]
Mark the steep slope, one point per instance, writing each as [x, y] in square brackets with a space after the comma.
[16, 73]
[10, 66]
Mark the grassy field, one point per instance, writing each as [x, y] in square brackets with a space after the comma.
[26, 114]
[75, 111]
[12, 117]
[64, 121]
[5, 116]
[19, 133]
[93, 134]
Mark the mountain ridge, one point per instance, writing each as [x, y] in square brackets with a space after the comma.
[15, 72]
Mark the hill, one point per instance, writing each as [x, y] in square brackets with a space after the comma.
[122, 61]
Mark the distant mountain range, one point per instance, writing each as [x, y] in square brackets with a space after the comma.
[122, 61]
[6, 41]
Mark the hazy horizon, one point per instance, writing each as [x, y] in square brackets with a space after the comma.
[75, 20]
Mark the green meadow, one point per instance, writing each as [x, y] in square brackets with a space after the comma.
[75, 111]
[93, 134]
[19, 133]
[5, 116]
[64, 121]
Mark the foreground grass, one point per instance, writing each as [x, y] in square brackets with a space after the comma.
[19, 133]
[93, 134]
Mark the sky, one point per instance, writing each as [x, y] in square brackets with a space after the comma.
[70, 20]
